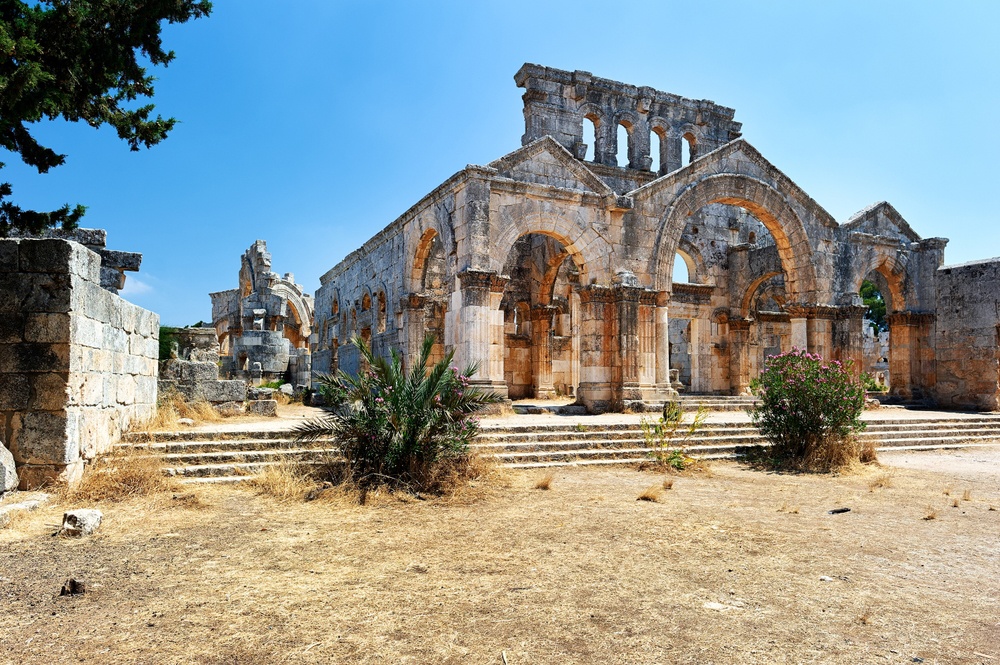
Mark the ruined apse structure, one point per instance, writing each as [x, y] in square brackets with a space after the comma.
[552, 266]
[264, 325]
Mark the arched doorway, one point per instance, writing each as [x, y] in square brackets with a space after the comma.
[540, 306]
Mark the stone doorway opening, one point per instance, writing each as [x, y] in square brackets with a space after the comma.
[541, 342]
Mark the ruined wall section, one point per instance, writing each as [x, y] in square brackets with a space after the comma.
[78, 364]
[558, 102]
[968, 335]
[382, 272]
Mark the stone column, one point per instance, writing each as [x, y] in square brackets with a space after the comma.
[413, 327]
[596, 330]
[541, 351]
[699, 383]
[673, 147]
[606, 142]
[625, 357]
[848, 336]
[908, 377]
[739, 355]
[664, 390]
[799, 320]
[475, 325]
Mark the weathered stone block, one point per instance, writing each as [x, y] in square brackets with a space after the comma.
[8, 473]
[43, 437]
[223, 391]
[263, 407]
[15, 392]
[46, 327]
[8, 255]
[25, 357]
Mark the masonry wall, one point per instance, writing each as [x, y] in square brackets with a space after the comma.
[968, 327]
[78, 364]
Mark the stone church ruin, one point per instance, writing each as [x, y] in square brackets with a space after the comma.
[553, 265]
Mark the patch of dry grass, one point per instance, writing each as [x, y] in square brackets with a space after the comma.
[931, 514]
[545, 482]
[881, 480]
[284, 481]
[967, 495]
[122, 476]
[651, 493]
[171, 407]
[668, 483]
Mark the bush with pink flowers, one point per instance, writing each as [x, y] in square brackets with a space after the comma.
[809, 409]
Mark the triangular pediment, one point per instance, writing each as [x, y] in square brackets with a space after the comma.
[881, 219]
[547, 162]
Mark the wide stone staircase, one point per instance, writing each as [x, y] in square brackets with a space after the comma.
[520, 443]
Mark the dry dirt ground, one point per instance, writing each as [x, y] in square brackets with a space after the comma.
[735, 566]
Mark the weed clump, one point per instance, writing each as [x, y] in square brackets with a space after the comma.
[668, 438]
[119, 477]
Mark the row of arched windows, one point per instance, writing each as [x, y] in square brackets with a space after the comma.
[658, 139]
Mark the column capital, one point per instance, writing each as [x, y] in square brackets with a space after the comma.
[482, 279]
[910, 318]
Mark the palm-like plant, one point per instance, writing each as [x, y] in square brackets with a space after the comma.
[396, 426]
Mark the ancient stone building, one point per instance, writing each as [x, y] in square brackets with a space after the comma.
[78, 364]
[264, 325]
[553, 266]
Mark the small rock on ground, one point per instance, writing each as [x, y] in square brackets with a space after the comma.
[81, 522]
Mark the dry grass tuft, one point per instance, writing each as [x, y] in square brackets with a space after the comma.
[955, 503]
[188, 500]
[967, 495]
[791, 510]
[668, 483]
[171, 407]
[285, 481]
[545, 482]
[931, 514]
[880, 480]
[865, 618]
[838, 455]
[651, 493]
[946, 491]
[122, 476]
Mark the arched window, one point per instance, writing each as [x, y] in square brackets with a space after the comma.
[366, 302]
[752, 238]
[691, 153]
[335, 309]
[590, 137]
[623, 138]
[655, 139]
[381, 311]
[682, 273]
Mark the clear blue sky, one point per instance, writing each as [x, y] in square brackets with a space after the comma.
[312, 124]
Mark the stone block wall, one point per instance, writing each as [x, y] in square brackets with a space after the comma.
[78, 363]
[968, 336]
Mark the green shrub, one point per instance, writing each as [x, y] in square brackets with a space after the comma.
[168, 342]
[809, 410]
[395, 427]
[668, 436]
[871, 384]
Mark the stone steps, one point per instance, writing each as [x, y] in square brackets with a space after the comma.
[233, 455]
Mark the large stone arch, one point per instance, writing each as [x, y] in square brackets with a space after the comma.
[891, 265]
[580, 240]
[766, 203]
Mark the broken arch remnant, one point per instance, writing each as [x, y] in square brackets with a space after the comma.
[553, 270]
[264, 325]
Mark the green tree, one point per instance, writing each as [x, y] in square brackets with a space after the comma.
[873, 300]
[79, 60]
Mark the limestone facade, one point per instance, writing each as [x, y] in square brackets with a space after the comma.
[78, 364]
[264, 325]
[553, 266]
[194, 372]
